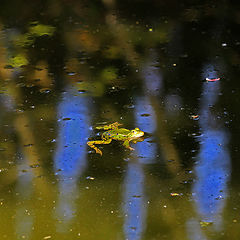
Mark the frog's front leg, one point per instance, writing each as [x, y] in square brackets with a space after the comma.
[91, 144]
[126, 144]
[137, 140]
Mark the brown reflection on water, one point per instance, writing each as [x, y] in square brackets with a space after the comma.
[24, 131]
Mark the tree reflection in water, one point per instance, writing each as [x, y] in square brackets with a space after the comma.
[213, 162]
[71, 152]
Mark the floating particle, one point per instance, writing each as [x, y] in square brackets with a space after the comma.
[34, 165]
[81, 91]
[28, 145]
[129, 106]
[195, 117]
[212, 79]
[145, 115]
[90, 178]
[66, 119]
[205, 224]
[71, 73]
[45, 90]
[174, 194]
[47, 237]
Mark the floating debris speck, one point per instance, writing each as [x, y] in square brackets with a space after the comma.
[205, 223]
[194, 117]
[174, 194]
[90, 178]
[212, 79]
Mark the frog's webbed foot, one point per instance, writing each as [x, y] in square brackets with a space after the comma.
[91, 145]
[110, 126]
[97, 150]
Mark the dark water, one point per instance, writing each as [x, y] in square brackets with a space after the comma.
[168, 68]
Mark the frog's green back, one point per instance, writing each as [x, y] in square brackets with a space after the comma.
[117, 134]
[123, 131]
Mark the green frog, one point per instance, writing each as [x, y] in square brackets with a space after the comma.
[119, 134]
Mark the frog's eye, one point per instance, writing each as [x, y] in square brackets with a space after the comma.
[137, 129]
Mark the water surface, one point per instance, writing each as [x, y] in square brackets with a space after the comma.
[167, 68]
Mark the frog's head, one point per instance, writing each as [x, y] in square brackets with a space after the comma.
[136, 133]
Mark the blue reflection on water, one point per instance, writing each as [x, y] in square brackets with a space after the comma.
[213, 166]
[70, 157]
[134, 199]
[134, 202]
[153, 84]
[145, 150]
[212, 171]
[134, 196]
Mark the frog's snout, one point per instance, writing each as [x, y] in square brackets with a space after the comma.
[142, 133]
[138, 132]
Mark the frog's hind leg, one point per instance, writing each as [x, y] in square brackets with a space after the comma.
[110, 126]
[91, 144]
